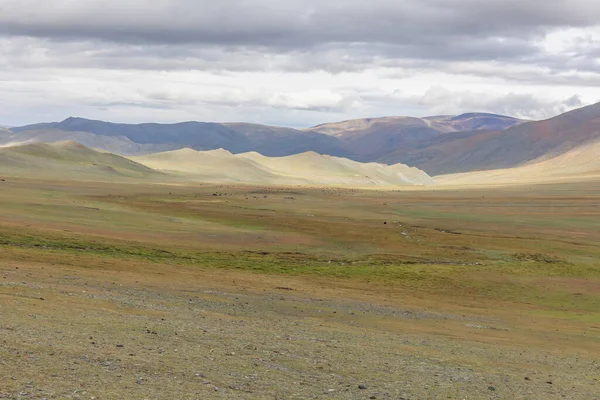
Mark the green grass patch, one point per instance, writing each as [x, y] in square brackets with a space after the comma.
[512, 282]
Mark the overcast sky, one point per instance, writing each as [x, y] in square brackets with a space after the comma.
[294, 62]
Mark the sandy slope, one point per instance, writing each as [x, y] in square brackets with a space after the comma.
[218, 165]
[581, 163]
[304, 168]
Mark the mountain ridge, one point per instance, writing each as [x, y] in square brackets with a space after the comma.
[442, 123]
[439, 145]
[490, 150]
[235, 137]
[239, 137]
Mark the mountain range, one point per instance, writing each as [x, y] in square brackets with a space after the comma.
[149, 138]
[365, 140]
[438, 145]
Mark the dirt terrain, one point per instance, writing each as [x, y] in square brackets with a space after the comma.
[148, 291]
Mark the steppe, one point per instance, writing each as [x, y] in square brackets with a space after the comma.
[149, 290]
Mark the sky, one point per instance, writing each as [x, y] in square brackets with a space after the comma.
[294, 63]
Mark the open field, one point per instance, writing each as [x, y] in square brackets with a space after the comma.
[152, 291]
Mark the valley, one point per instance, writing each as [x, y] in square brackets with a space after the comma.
[299, 200]
[140, 267]
[113, 290]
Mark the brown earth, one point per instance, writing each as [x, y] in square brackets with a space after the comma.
[113, 291]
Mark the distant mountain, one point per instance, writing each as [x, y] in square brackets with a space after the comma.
[370, 139]
[113, 144]
[237, 138]
[440, 123]
[69, 159]
[494, 149]
[440, 154]
[475, 121]
[375, 138]
[277, 142]
[437, 145]
[200, 134]
[4, 132]
[363, 140]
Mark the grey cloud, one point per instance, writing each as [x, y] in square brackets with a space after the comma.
[438, 100]
[538, 73]
[519, 105]
[291, 22]
[44, 40]
[330, 58]
[463, 29]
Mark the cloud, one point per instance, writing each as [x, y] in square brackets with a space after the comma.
[526, 106]
[296, 61]
[432, 29]
[297, 35]
[289, 23]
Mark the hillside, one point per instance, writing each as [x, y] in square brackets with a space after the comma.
[371, 139]
[278, 141]
[374, 139]
[496, 149]
[213, 165]
[442, 154]
[579, 164]
[71, 160]
[68, 160]
[305, 168]
[474, 121]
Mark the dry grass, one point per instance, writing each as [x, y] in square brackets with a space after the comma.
[460, 294]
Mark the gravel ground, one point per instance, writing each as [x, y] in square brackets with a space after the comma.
[73, 334]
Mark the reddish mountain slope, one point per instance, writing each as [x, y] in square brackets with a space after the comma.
[486, 150]
[372, 138]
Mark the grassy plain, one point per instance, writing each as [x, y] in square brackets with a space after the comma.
[117, 290]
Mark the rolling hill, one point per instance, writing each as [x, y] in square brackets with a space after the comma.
[212, 165]
[68, 160]
[112, 144]
[305, 168]
[71, 160]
